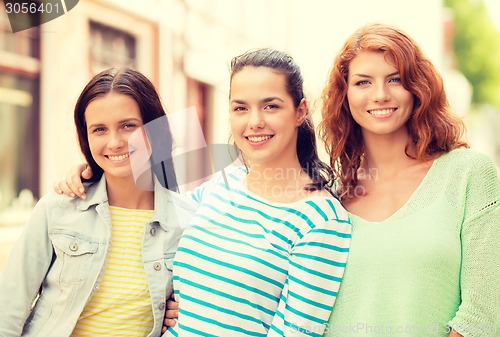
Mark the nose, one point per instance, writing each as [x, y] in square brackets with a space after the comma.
[256, 119]
[381, 93]
[116, 141]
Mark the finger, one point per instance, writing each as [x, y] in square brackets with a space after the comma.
[64, 188]
[172, 305]
[169, 323]
[56, 188]
[74, 181]
[70, 189]
[171, 313]
[87, 173]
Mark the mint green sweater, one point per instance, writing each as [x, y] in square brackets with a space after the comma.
[433, 264]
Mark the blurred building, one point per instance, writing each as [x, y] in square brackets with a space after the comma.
[184, 47]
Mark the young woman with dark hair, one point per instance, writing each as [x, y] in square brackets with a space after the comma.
[266, 251]
[101, 266]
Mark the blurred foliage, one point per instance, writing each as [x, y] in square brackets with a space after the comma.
[477, 49]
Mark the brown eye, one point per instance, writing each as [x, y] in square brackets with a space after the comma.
[271, 107]
[239, 108]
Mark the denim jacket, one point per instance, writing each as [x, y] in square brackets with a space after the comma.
[58, 261]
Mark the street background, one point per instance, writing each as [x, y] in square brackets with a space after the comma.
[184, 47]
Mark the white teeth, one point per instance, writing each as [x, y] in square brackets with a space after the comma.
[256, 139]
[120, 157]
[381, 112]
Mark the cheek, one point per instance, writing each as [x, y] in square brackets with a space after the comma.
[353, 99]
[411, 101]
[95, 145]
[352, 107]
[237, 126]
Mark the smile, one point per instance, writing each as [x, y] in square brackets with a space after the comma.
[382, 112]
[119, 157]
[257, 139]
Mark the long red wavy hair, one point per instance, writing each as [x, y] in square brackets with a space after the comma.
[432, 128]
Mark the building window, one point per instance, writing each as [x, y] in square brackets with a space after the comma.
[19, 114]
[198, 165]
[24, 43]
[19, 137]
[110, 47]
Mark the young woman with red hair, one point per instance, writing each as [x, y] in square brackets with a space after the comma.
[425, 209]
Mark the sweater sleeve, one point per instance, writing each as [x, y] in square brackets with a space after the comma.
[316, 267]
[479, 311]
[24, 272]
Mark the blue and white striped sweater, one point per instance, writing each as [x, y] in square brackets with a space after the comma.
[251, 267]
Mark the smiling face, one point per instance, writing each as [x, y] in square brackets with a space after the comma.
[264, 120]
[378, 101]
[111, 120]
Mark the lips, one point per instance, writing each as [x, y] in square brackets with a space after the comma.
[119, 157]
[381, 112]
[258, 139]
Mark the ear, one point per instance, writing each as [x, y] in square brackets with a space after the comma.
[301, 112]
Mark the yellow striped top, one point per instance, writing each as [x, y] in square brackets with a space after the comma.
[121, 306]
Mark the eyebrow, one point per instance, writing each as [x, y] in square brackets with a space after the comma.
[363, 75]
[264, 100]
[119, 122]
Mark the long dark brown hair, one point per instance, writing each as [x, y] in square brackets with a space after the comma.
[307, 152]
[132, 83]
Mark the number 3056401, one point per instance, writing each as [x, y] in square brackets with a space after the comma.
[31, 7]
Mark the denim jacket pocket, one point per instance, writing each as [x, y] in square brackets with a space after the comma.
[169, 261]
[74, 256]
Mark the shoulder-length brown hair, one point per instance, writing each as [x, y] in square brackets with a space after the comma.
[432, 128]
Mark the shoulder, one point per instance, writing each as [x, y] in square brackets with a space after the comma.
[53, 199]
[464, 164]
[51, 205]
[234, 173]
[231, 175]
[329, 206]
[472, 177]
[327, 216]
[466, 157]
[96, 193]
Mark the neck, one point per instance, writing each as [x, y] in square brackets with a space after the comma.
[278, 172]
[277, 182]
[386, 154]
[124, 192]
